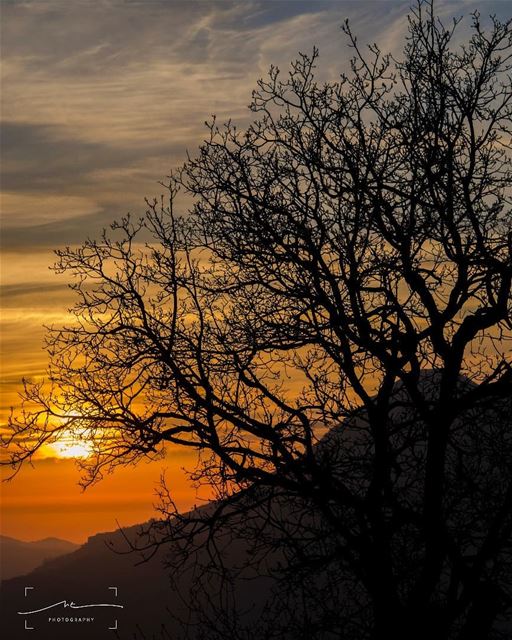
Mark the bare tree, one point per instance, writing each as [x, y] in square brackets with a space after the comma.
[355, 237]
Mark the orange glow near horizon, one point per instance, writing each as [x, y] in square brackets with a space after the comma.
[45, 500]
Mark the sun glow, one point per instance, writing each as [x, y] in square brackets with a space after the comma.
[69, 446]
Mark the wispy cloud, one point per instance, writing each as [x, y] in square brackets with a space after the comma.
[102, 99]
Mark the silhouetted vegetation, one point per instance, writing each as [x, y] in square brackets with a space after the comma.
[329, 327]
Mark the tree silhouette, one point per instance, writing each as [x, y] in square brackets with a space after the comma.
[345, 269]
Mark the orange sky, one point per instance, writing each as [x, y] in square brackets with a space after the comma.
[99, 102]
[45, 500]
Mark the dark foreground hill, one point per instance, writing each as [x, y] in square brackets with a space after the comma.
[98, 573]
[84, 577]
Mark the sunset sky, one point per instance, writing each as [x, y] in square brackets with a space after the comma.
[100, 100]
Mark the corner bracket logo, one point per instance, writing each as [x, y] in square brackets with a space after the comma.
[73, 613]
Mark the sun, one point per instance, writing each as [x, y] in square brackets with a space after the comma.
[69, 446]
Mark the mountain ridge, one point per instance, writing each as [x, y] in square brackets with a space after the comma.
[19, 557]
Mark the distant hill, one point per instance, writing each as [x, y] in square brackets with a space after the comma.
[18, 557]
